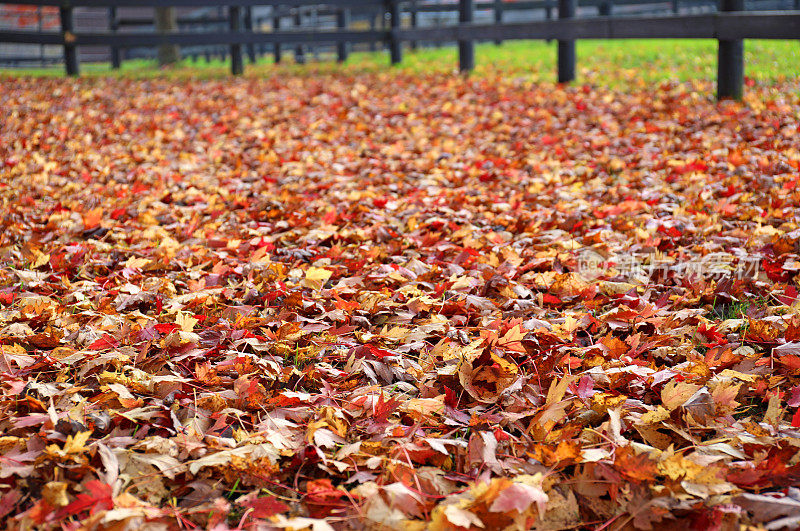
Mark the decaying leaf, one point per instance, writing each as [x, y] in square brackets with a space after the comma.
[396, 301]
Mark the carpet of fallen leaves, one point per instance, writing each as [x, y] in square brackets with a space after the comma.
[397, 302]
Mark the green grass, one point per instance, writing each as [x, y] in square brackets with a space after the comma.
[738, 309]
[734, 310]
[617, 63]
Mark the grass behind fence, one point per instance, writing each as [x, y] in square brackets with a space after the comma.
[621, 64]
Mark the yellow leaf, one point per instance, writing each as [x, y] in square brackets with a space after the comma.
[559, 388]
[41, 259]
[77, 443]
[657, 415]
[602, 402]
[186, 321]
[393, 334]
[136, 263]
[55, 493]
[774, 411]
[316, 277]
[675, 394]
[512, 339]
[730, 373]
[73, 445]
[677, 467]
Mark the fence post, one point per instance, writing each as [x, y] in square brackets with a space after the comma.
[40, 23]
[566, 48]
[70, 51]
[605, 8]
[548, 13]
[248, 27]
[372, 24]
[395, 46]
[222, 51]
[730, 59]
[466, 47]
[276, 26]
[314, 16]
[498, 17]
[235, 23]
[413, 12]
[116, 59]
[675, 6]
[299, 52]
[342, 22]
[261, 48]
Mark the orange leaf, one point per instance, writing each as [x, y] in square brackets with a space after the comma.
[92, 218]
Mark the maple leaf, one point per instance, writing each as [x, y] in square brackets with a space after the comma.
[779, 509]
[92, 218]
[186, 322]
[266, 507]
[324, 498]
[638, 467]
[518, 497]
[316, 277]
[98, 497]
[73, 449]
[512, 340]
[485, 375]
[381, 408]
[461, 518]
[8, 501]
[676, 394]
[371, 294]
[104, 343]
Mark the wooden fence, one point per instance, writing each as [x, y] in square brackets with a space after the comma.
[729, 26]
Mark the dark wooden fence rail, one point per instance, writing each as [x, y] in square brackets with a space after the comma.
[729, 26]
[327, 16]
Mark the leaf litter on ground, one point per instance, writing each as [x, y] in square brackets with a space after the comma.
[400, 302]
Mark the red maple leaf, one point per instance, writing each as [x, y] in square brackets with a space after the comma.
[98, 497]
[266, 507]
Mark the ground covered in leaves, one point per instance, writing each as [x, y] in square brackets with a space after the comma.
[399, 302]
